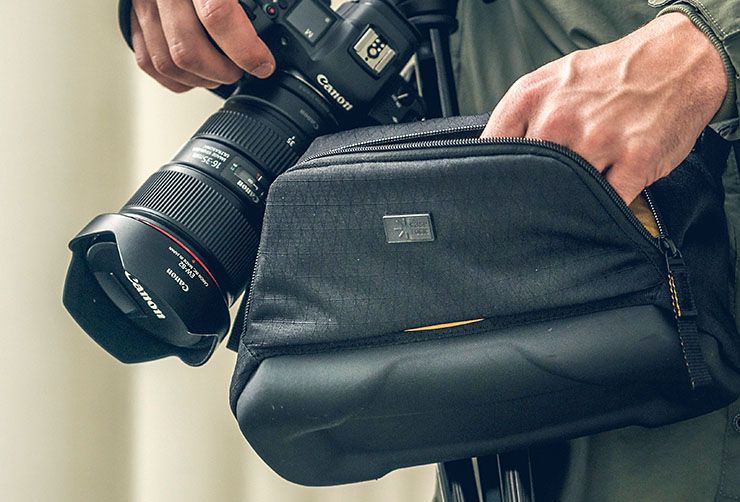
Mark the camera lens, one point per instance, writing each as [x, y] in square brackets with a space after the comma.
[157, 278]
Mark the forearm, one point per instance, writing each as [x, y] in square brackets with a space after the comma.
[720, 22]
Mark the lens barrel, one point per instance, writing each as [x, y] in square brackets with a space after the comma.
[158, 278]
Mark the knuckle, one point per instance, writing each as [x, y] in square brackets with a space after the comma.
[522, 94]
[164, 65]
[525, 83]
[595, 137]
[233, 76]
[183, 56]
[552, 123]
[525, 93]
[631, 153]
[556, 123]
[592, 143]
[215, 13]
[143, 62]
[146, 12]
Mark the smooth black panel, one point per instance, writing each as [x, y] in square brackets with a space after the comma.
[351, 415]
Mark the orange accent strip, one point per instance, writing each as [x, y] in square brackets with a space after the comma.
[442, 326]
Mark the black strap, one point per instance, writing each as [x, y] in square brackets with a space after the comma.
[684, 310]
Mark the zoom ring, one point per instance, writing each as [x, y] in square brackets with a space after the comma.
[258, 139]
[204, 215]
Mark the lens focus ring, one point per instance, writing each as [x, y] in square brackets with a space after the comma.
[180, 196]
[269, 148]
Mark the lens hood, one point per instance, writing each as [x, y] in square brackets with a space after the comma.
[142, 294]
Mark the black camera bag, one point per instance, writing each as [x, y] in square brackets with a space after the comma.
[584, 322]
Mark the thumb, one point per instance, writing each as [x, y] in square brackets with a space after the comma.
[625, 182]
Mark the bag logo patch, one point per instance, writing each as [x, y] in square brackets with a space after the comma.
[408, 228]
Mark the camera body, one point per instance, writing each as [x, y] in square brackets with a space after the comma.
[158, 277]
[349, 56]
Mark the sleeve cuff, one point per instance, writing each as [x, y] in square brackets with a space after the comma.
[124, 20]
[726, 120]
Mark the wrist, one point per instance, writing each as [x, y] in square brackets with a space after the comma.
[722, 78]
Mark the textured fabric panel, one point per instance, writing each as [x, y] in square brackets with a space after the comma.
[514, 234]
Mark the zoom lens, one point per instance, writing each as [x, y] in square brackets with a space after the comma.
[158, 277]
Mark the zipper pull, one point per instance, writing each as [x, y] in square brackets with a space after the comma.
[685, 313]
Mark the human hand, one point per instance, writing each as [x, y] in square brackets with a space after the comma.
[170, 39]
[633, 108]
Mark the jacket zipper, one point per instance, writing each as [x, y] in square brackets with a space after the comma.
[677, 272]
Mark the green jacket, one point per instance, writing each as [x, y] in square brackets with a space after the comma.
[697, 460]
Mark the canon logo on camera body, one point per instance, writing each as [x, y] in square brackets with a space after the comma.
[331, 91]
[144, 295]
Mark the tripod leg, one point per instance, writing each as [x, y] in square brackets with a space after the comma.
[457, 481]
[440, 42]
[506, 477]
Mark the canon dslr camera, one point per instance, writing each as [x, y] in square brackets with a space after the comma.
[158, 277]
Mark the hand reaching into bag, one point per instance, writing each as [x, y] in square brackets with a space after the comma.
[633, 108]
[170, 39]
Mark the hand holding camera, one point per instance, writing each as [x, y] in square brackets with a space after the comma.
[172, 42]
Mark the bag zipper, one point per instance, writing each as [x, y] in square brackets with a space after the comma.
[402, 142]
[678, 280]
[391, 140]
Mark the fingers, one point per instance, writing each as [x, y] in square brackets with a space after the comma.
[147, 14]
[509, 119]
[639, 165]
[231, 29]
[626, 181]
[189, 46]
[527, 110]
[145, 61]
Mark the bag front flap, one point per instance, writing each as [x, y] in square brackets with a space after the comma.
[506, 231]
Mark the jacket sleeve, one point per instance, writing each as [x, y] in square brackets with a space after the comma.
[720, 21]
[124, 20]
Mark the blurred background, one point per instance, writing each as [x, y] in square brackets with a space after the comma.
[82, 127]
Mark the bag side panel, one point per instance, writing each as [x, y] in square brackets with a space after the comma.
[691, 202]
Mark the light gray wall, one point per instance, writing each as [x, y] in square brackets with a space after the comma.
[80, 128]
[65, 432]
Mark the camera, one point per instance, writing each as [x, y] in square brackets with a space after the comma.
[158, 277]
